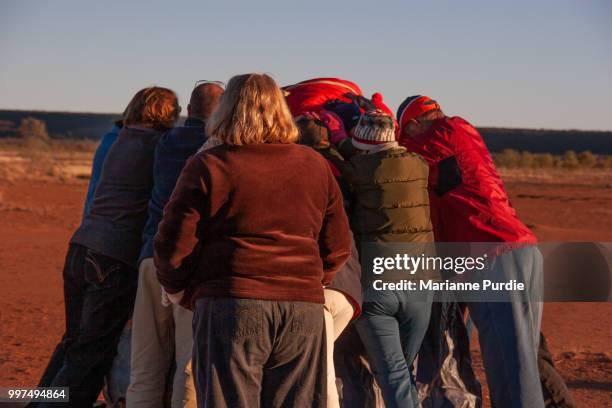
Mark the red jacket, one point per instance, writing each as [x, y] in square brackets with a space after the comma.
[467, 196]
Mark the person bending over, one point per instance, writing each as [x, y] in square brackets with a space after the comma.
[252, 232]
[390, 205]
[470, 205]
[343, 297]
[100, 273]
[162, 333]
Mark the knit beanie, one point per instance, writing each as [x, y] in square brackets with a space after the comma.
[375, 128]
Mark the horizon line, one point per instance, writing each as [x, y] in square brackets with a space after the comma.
[182, 117]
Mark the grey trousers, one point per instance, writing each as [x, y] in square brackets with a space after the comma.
[257, 353]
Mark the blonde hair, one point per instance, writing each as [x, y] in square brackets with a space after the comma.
[154, 106]
[252, 110]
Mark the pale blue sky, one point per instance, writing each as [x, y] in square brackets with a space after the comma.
[513, 63]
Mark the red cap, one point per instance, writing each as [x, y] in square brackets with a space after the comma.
[414, 107]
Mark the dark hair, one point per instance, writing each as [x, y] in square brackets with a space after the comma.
[205, 99]
[313, 132]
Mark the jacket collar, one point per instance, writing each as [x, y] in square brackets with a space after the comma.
[194, 122]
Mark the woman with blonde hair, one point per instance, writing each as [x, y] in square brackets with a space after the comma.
[253, 231]
[100, 273]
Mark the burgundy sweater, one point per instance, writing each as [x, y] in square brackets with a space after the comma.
[257, 221]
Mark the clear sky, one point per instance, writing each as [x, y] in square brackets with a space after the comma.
[512, 63]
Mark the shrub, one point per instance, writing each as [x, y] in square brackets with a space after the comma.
[528, 159]
[587, 159]
[570, 160]
[32, 128]
[605, 162]
[545, 160]
[508, 158]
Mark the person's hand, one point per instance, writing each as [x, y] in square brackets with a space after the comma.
[168, 299]
[165, 301]
[176, 298]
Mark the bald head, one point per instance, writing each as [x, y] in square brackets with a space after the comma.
[204, 100]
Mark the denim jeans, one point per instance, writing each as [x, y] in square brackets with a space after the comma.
[117, 379]
[392, 328]
[99, 295]
[508, 331]
[251, 353]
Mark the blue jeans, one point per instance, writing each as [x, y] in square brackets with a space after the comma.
[392, 328]
[99, 295]
[509, 331]
[117, 379]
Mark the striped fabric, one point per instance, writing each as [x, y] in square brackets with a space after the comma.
[374, 128]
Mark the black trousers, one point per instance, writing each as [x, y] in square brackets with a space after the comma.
[99, 295]
[256, 353]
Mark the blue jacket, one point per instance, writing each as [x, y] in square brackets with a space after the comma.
[173, 150]
[96, 169]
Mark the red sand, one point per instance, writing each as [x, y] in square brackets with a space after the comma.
[37, 219]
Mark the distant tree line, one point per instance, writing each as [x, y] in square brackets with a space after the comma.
[510, 158]
[35, 134]
[547, 140]
[60, 125]
[32, 136]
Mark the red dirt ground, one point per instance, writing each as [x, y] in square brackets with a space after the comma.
[37, 219]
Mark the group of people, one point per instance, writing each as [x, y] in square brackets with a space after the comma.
[232, 245]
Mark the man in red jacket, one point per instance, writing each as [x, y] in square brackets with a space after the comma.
[469, 205]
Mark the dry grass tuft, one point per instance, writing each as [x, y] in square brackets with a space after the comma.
[52, 159]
